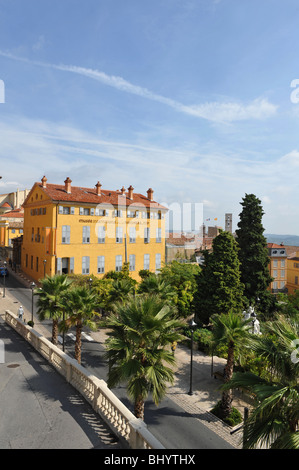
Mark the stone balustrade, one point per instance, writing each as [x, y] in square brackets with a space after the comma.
[131, 430]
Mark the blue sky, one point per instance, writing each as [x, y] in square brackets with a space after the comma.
[190, 97]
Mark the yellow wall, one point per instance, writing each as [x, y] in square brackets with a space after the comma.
[8, 233]
[49, 246]
[278, 270]
[293, 274]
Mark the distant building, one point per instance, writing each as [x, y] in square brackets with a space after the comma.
[278, 267]
[179, 246]
[208, 235]
[11, 201]
[293, 272]
[11, 227]
[229, 223]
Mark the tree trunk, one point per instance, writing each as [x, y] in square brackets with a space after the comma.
[139, 408]
[227, 395]
[55, 332]
[78, 342]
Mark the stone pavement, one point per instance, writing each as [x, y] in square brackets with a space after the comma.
[205, 387]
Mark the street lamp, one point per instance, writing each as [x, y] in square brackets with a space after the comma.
[192, 325]
[32, 289]
[4, 273]
[45, 262]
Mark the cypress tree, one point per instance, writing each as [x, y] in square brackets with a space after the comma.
[219, 289]
[253, 255]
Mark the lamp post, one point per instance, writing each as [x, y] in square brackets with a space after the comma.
[192, 328]
[4, 278]
[45, 262]
[32, 290]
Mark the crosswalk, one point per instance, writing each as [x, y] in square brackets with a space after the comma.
[73, 337]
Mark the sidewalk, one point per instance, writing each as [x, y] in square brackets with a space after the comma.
[205, 387]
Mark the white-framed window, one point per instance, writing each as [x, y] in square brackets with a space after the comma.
[84, 211]
[158, 261]
[283, 263]
[119, 235]
[275, 285]
[146, 235]
[158, 235]
[275, 273]
[100, 212]
[132, 259]
[86, 234]
[66, 234]
[275, 263]
[101, 233]
[132, 234]
[85, 264]
[72, 264]
[282, 273]
[118, 213]
[101, 264]
[146, 261]
[66, 210]
[118, 262]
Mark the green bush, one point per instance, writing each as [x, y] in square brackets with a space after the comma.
[233, 419]
[203, 337]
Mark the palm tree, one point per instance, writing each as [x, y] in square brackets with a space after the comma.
[273, 421]
[156, 285]
[120, 290]
[231, 330]
[50, 303]
[80, 304]
[138, 348]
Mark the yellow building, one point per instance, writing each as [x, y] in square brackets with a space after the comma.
[78, 230]
[293, 273]
[11, 226]
[278, 267]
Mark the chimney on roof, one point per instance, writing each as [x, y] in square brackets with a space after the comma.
[130, 189]
[98, 186]
[123, 191]
[67, 185]
[44, 182]
[150, 193]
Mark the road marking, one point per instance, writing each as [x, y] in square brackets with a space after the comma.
[86, 336]
[73, 337]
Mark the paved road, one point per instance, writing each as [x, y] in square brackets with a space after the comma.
[39, 409]
[173, 426]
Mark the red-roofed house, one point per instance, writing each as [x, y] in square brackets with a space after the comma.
[71, 229]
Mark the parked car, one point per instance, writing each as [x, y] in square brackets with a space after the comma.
[3, 271]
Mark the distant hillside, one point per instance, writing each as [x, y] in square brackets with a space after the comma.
[285, 239]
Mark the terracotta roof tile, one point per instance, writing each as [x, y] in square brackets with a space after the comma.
[89, 195]
[17, 213]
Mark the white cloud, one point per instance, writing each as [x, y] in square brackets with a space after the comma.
[291, 158]
[226, 112]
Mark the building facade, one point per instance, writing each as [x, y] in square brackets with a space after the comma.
[293, 272]
[11, 227]
[70, 229]
[278, 267]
